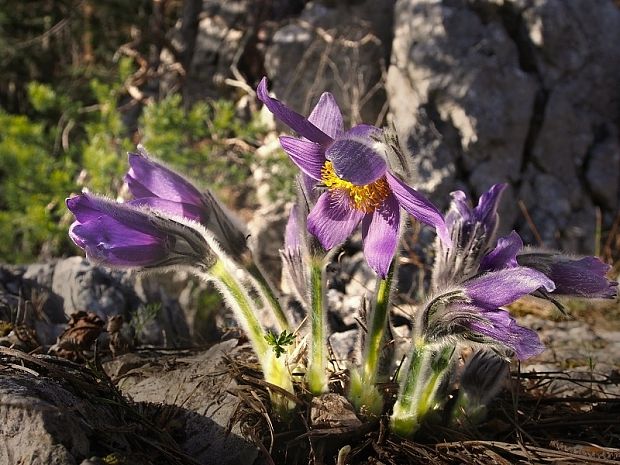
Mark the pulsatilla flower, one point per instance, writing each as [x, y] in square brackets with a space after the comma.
[472, 311]
[472, 235]
[120, 235]
[583, 277]
[158, 187]
[358, 185]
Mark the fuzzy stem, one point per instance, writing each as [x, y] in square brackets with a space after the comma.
[270, 297]
[417, 397]
[274, 369]
[403, 421]
[440, 363]
[363, 392]
[317, 364]
[376, 330]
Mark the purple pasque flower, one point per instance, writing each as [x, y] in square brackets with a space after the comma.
[358, 185]
[575, 277]
[121, 235]
[473, 310]
[472, 231]
[158, 187]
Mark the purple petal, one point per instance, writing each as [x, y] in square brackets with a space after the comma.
[185, 210]
[355, 158]
[84, 207]
[418, 206]
[137, 189]
[503, 287]
[583, 277]
[292, 231]
[364, 131]
[147, 174]
[327, 117]
[502, 328]
[504, 255]
[108, 231]
[109, 242]
[380, 234]
[460, 211]
[129, 256]
[486, 210]
[291, 118]
[87, 207]
[332, 221]
[308, 156]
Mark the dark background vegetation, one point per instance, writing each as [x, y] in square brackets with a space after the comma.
[79, 87]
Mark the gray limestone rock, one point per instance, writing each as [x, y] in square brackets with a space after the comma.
[202, 386]
[85, 287]
[515, 91]
[341, 50]
[54, 412]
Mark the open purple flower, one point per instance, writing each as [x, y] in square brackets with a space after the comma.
[473, 311]
[120, 235]
[160, 188]
[359, 187]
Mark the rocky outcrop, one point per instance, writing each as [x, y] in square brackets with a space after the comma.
[518, 91]
[41, 297]
[341, 50]
[55, 412]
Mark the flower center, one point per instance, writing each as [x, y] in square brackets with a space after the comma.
[366, 198]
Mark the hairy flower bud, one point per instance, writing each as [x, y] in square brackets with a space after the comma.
[121, 235]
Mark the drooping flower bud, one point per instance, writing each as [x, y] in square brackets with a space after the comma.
[120, 235]
[156, 186]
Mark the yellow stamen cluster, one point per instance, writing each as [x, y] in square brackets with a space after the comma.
[366, 198]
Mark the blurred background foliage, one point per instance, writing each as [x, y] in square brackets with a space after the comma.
[78, 89]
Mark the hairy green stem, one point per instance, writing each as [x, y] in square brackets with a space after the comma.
[376, 328]
[266, 290]
[274, 369]
[404, 421]
[317, 364]
[363, 392]
[418, 394]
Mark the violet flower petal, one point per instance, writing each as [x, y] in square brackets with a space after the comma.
[486, 210]
[160, 180]
[332, 221]
[186, 210]
[380, 235]
[498, 288]
[504, 255]
[576, 277]
[308, 156]
[291, 118]
[354, 156]
[418, 206]
[327, 117]
[137, 189]
[107, 241]
[87, 207]
[504, 329]
[292, 231]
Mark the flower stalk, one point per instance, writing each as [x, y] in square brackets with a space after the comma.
[404, 420]
[317, 376]
[420, 393]
[274, 368]
[363, 391]
[269, 296]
